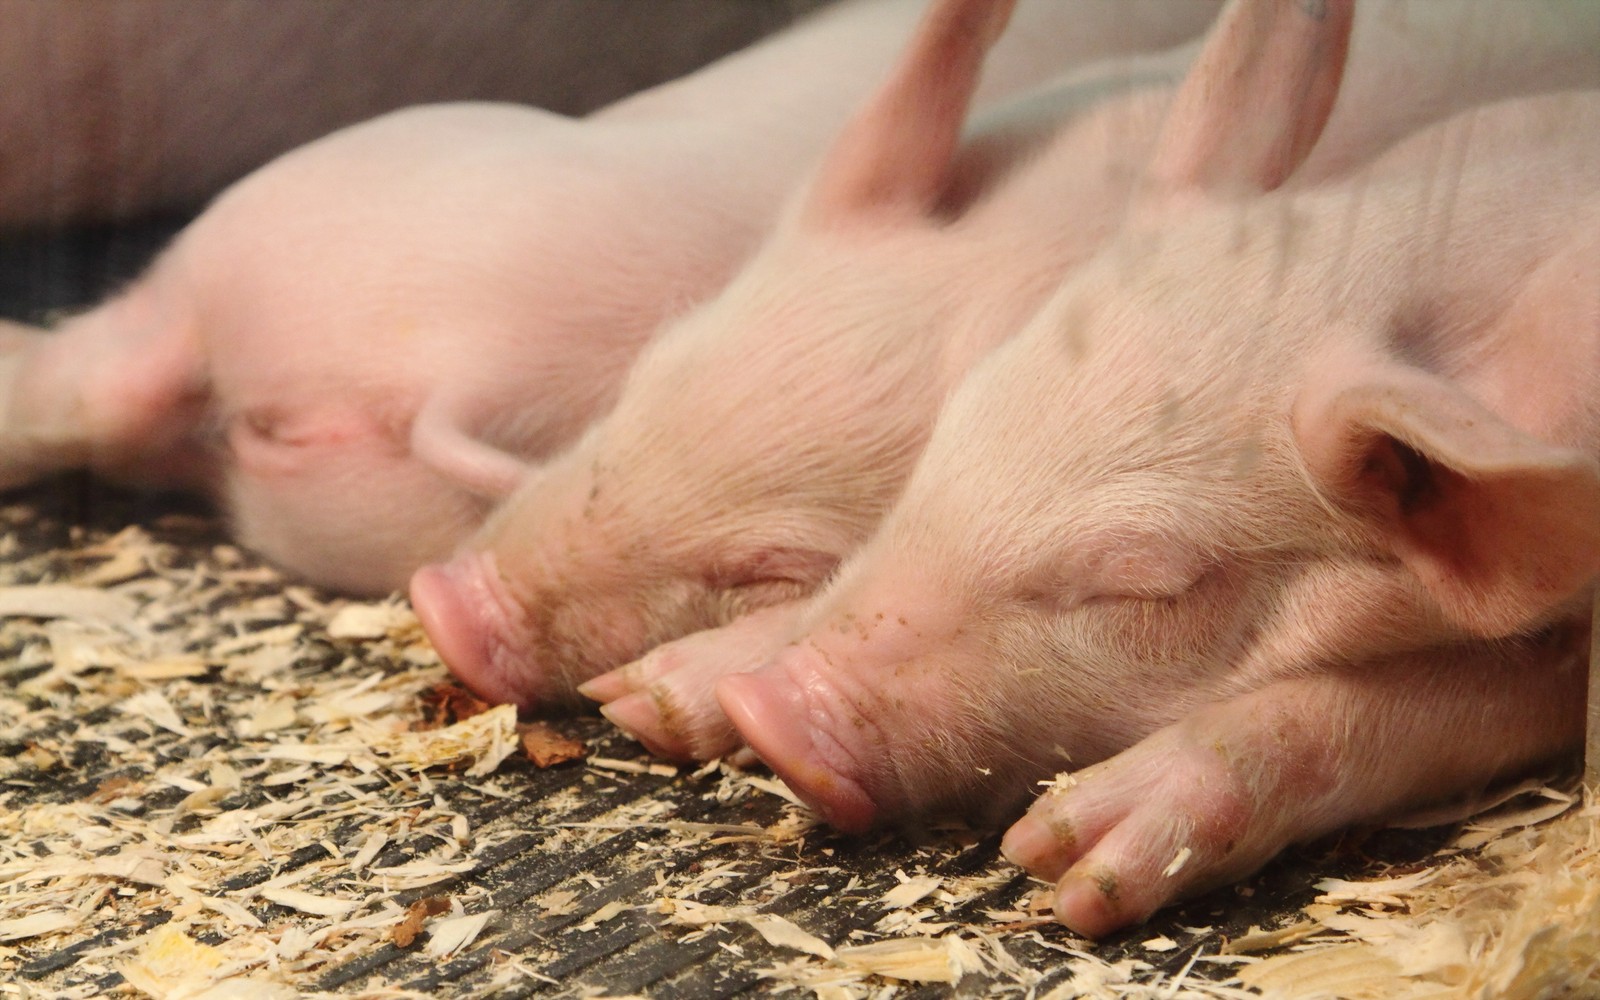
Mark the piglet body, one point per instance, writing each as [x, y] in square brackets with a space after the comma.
[1281, 515]
[362, 346]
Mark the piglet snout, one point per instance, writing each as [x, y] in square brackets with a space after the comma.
[463, 607]
[787, 713]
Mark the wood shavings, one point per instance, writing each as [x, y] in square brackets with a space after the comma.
[1094, 978]
[773, 786]
[154, 706]
[781, 932]
[910, 891]
[370, 846]
[1257, 939]
[311, 776]
[169, 961]
[167, 669]
[1519, 920]
[35, 924]
[405, 933]
[610, 911]
[447, 937]
[1483, 829]
[267, 715]
[916, 960]
[306, 902]
[371, 621]
[85, 605]
[170, 965]
[486, 740]
[634, 766]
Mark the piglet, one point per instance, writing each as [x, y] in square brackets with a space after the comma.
[1282, 514]
[758, 441]
[360, 348]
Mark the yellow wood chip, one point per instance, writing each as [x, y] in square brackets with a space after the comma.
[914, 959]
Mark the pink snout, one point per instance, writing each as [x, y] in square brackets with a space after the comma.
[464, 609]
[781, 711]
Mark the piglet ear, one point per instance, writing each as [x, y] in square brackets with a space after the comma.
[894, 156]
[1499, 526]
[1254, 102]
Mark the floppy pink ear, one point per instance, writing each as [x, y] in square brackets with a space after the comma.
[1499, 526]
[894, 156]
[1254, 102]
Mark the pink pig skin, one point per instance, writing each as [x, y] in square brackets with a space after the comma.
[759, 440]
[1258, 564]
[361, 347]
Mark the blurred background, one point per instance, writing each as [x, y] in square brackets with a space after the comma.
[122, 118]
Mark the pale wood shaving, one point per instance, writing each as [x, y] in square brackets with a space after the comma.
[85, 605]
[452, 935]
[910, 891]
[306, 902]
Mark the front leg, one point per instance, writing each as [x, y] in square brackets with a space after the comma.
[1211, 798]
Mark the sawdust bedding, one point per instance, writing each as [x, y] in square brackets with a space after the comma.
[217, 783]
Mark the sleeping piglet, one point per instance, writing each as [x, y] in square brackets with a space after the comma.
[1282, 514]
[362, 346]
[758, 441]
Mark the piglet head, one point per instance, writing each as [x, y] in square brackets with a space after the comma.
[1073, 524]
[746, 457]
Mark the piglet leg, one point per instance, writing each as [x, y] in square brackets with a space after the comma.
[1214, 796]
[107, 392]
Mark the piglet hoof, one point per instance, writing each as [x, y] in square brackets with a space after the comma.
[666, 698]
[784, 720]
[666, 730]
[1126, 837]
